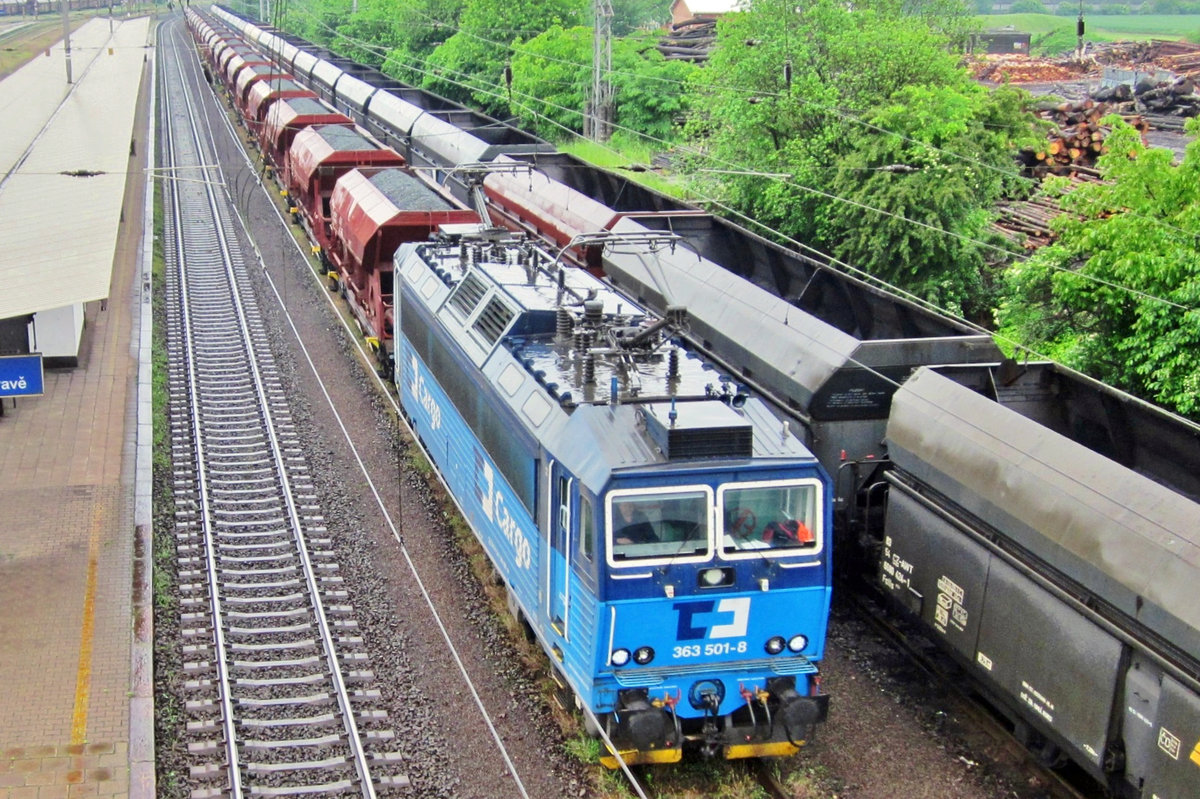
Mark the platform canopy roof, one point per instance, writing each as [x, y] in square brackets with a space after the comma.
[63, 162]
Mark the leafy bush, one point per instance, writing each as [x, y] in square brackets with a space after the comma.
[1116, 295]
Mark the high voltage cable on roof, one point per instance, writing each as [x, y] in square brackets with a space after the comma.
[445, 73]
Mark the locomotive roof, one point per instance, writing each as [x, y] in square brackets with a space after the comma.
[1126, 538]
[553, 341]
[595, 441]
[537, 290]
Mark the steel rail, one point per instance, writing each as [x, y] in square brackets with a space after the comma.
[219, 239]
[341, 692]
[227, 714]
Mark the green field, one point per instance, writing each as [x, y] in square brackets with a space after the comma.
[1101, 28]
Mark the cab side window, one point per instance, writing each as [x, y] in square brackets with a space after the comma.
[587, 528]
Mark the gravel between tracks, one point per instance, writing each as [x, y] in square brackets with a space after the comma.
[450, 751]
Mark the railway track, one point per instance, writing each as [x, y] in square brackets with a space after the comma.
[969, 705]
[282, 701]
[771, 787]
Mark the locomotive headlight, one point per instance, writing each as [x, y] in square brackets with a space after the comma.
[797, 643]
[619, 657]
[774, 645]
[643, 655]
[712, 578]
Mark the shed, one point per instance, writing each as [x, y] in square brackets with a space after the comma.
[1001, 42]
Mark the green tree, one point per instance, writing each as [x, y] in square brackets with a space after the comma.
[648, 89]
[552, 77]
[631, 15]
[913, 213]
[470, 65]
[850, 66]
[406, 31]
[1118, 295]
[317, 22]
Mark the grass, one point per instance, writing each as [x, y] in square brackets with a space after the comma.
[162, 578]
[620, 155]
[1121, 27]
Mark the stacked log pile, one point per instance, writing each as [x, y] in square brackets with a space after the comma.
[1178, 56]
[1023, 69]
[689, 40]
[1182, 58]
[1027, 222]
[1072, 149]
[1168, 105]
[1163, 105]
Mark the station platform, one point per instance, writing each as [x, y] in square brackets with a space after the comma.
[76, 693]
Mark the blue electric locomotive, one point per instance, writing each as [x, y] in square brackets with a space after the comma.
[664, 535]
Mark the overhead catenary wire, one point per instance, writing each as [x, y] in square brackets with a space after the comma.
[866, 277]
[847, 116]
[446, 74]
[802, 247]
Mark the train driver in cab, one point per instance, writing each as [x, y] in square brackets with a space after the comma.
[630, 525]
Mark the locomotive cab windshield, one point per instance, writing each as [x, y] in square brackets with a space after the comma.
[750, 520]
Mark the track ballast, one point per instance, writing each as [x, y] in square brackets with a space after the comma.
[281, 698]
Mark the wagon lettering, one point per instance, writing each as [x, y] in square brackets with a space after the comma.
[496, 510]
[1168, 742]
[424, 397]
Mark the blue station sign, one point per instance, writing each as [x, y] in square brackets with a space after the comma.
[20, 375]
